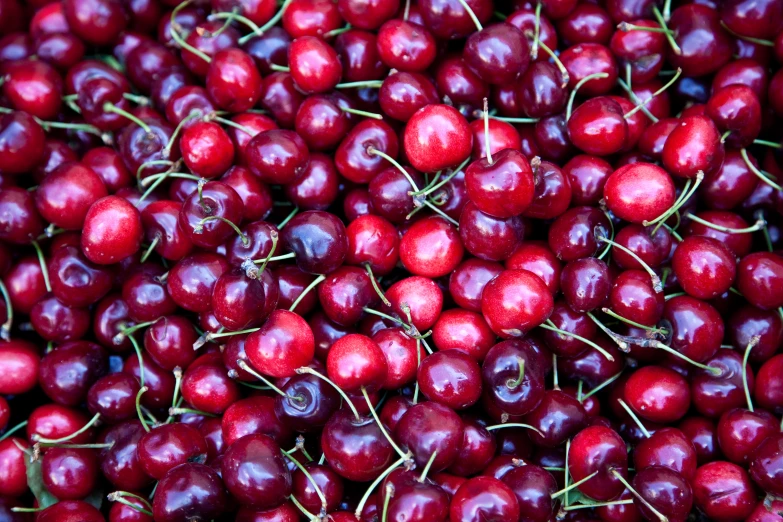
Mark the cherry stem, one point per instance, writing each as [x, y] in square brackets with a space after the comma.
[370, 84]
[254, 272]
[635, 419]
[521, 377]
[653, 329]
[375, 285]
[174, 27]
[430, 189]
[281, 257]
[307, 369]
[598, 504]
[137, 349]
[177, 385]
[386, 499]
[579, 393]
[751, 344]
[119, 496]
[358, 112]
[620, 340]
[13, 430]
[725, 136]
[768, 144]
[246, 367]
[309, 477]
[566, 472]
[288, 218]
[198, 228]
[42, 440]
[536, 32]
[271, 23]
[480, 114]
[234, 15]
[126, 332]
[372, 151]
[625, 27]
[195, 113]
[657, 344]
[579, 84]
[42, 263]
[487, 143]
[148, 164]
[619, 476]
[656, 281]
[173, 412]
[471, 14]
[374, 484]
[588, 342]
[656, 93]
[381, 426]
[110, 107]
[555, 376]
[512, 425]
[150, 249]
[141, 392]
[759, 41]
[634, 98]
[427, 467]
[306, 291]
[574, 485]
[684, 196]
[407, 11]
[758, 225]
[5, 329]
[759, 174]
[668, 34]
[157, 179]
[338, 31]
[137, 99]
[247, 130]
[563, 71]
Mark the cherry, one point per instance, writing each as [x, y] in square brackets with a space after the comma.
[311, 17]
[346, 438]
[308, 403]
[723, 491]
[463, 330]
[189, 490]
[160, 382]
[664, 492]
[639, 192]
[208, 388]
[67, 373]
[321, 122]
[536, 257]
[632, 296]
[574, 234]
[765, 468]
[55, 321]
[410, 498]
[374, 241]
[704, 266]
[585, 284]
[513, 377]
[598, 452]
[502, 186]
[540, 91]
[209, 215]
[736, 108]
[437, 137]
[741, 431]
[499, 52]
[314, 64]
[323, 478]
[598, 126]
[693, 146]
[468, 280]
[767, 391]
[714, 395]
[317, 239]
[34, 87]
[283, 343]
[70, 511]
[431, 248]
[13, 478]
[201, 137]
[168, 446]
[191, 281]
[431, 432]
[757, 275]
[112, 230]
[21, 141]
[367, 15]
[451, 378]
[358, 52]
[705, 47]
[113, 396]
[556, 418]
[484, 498]
[74, 280]
[65, 196]
[658, 394]
[233, 81]
[358, 156]
[514, 302]
[406, 46]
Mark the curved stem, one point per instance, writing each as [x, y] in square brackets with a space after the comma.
[144, 424]
[246, 367]
[759, 41]
[375, 285]
[603, 385]
[5, 329]
[611, 313]
[713, 370]
[110, 107]
[634, 98]
[536, 32]
[271, 23]
[90, 423]
[574, 485]
[150, 249]
[513, 425]
[758, 225]
[274, 236]
[680, 203]
[471, 14]
[288, 218]
[306, 291]
[427, 467]
[563, 71]
[235, 16]
[579, 84]
[633, 416]
[127, 332]
[656, 93]
[668, 34]
[521, 377]
[42, 263]
[308, 476]
[759, 174]
[372, 151]
[199, 227]
[381, 426]
[148, 164]
[374, 84]
[230, 123]
[119, 496]
[137, 349]
[429, 190]
[307, 369]
[487, 143]
[656, 281]
[374, 484]
[366, 114]
[13, 430]
[301, 508]
[641, 499]
[281, 257]
[768, 143]
[588, 342]
[174, 27]
[753, 342]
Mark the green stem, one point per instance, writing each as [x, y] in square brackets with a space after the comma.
[150, 249]
[588, 342]
[307, 369]
[5, 329]
[641, 499]
[759, 41]
[13, 430]
[42, 440]
[656, 93]
[375, 285]
[110, 107]
[471, 14]
[198, 228]
[758, 225]
[381, 427]
[574, 485]
[174, 27]
[306, 291]
[668, 34]
[634, 418]
[144, 424]
[366, 114]
[579, 84]
[656, 281]
[271, 23]
[42, 263]
[603, 385]
[753, 342]
[374, 484]
[374, 84]
[757, 172]
[513, 425]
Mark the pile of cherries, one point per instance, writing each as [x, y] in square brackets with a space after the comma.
[391, 260]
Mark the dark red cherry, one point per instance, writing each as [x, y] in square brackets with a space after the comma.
[465, 331]
[345, 293]
[499, 52]
[536, 257]
[69, 473]
[21, 142]
[314, 64]
[598, 449]
[736, 108]
[585, 284]
[189, 490]
[114, 397]
[715, 394]
[573, 234]
[598, 126]
[639, 192]
[67, 373]
[65, 196]
[169, 342]
[767, 465]
[168, 446]
[55, 321]
[503, 187]
[758, 275]
[70, 510]
[584, 59]
[501, 370]
[467, 282]
[406, 46]
[369, 14]
[112, 230]
[748, 322]
[705, 267]
[191, 280]
[311, 18]
[431, 247]
[448, 19]
[658, 394]
[238, 301]
[768, 392]
[437, 137]
[208, 388]
[233, 81]
[633, 297]
[321, 123]
[206, 149]
[355, 159]
[556, 418]
[705, 46]
[358, 53]
[741, 431]
[161, 225]
[318, 239]
[209, 216]
[540, 91]
[281, 98]
[723, 491]
[355, 448]
[451, 378]
[428, 428]
[666, 490]
[552, 191]
[484, 498]
[33, 86]
[277, 156]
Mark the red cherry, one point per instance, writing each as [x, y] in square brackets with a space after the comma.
[437, 137]
[112, 230]
[514, 302]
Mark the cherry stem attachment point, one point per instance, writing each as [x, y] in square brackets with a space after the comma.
[619, 476]
[513, 383]
[110, 107]
[656, 93]
[668, 34]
